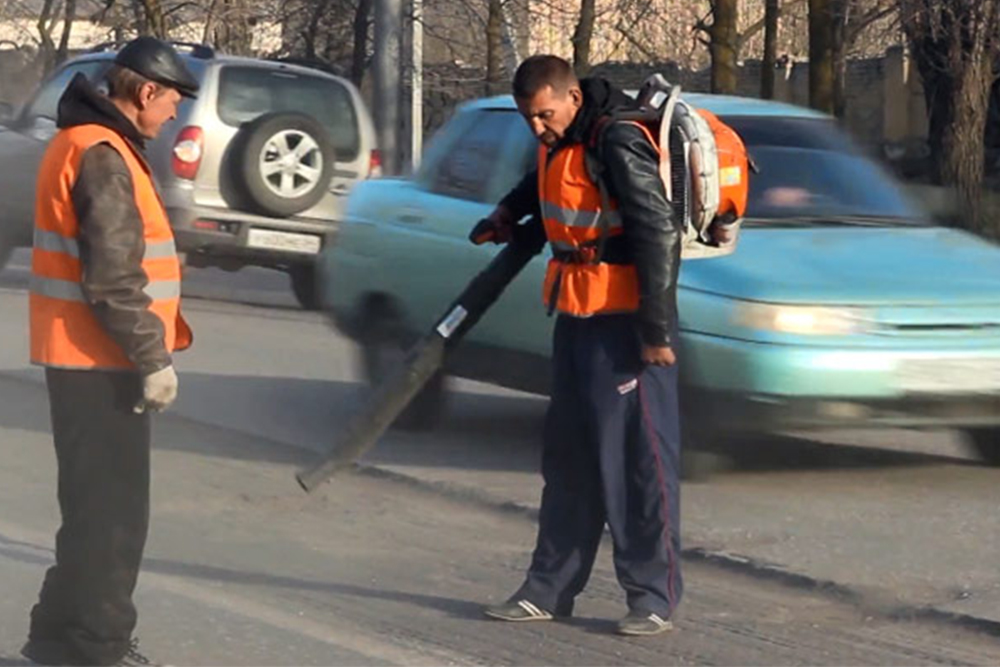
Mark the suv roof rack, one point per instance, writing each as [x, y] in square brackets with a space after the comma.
[313, 63]
[201, 51]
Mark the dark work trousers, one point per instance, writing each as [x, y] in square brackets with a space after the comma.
[611, 456]
[102, 450]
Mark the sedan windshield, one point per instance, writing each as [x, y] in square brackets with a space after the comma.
[810, 172]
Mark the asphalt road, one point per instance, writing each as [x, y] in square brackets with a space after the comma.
[851, 548]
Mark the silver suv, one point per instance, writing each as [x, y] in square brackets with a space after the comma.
[254, 172]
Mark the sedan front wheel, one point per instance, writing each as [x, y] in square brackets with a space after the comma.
[382, 351]
[987, 443]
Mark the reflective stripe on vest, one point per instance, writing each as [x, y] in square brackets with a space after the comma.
[64, 331]
[574, 217]
[53, 242]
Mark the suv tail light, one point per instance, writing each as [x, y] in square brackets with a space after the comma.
[375, 164]
[187, 153]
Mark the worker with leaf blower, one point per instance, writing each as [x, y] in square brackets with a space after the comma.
[612, 435]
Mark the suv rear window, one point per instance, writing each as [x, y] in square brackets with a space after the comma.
[248, 92]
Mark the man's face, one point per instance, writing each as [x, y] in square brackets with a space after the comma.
[157, 106]
[549, 113]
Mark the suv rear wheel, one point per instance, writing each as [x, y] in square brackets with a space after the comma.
[282, 163]
[304, 286]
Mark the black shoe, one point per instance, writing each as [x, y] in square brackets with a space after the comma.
[643, 623]
[518, 610]
[133, 658]
[47, 652]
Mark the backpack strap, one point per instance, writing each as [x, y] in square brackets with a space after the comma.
[594, 163]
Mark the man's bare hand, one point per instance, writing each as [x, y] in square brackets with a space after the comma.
[658, 356]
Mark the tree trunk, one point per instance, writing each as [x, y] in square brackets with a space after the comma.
[70, 17]
[494, 48]
[821, 70]
[312, 29]
[772, 10]
[725, 37]
[47, 47]
[234, 34]
[955, 50]
[359, 55]
[840, 10]
[582, 37]
[154, 22]
[963, 157]
[211, 18]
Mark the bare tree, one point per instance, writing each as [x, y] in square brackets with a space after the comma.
[956, 46]
[45, 25]
[582, 37]
[152, 19]
[821, 75]
[851, 18]
[233, 31]
[840, 12]
[772, 12]
[316, 13]
[69, 17]
[359, 52]
[725, 45]
[494, 47]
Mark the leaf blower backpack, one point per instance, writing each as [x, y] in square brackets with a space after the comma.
[703, 165]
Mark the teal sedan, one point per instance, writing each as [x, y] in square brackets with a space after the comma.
[843, 306]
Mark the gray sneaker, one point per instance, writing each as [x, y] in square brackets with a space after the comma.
[643, 623]
[518, 610]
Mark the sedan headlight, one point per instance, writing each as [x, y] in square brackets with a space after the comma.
[802, 320]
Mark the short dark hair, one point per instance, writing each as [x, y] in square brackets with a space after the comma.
[542, 70]
[124, 84]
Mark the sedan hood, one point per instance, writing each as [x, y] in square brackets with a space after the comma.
[853, 266]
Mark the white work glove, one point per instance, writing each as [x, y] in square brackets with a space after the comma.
[159, 390]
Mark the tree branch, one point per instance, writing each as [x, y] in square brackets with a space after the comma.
[856, 26]
[758, 26]
[626, 33]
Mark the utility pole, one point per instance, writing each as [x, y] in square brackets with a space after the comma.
[413, 73]
[388, 34]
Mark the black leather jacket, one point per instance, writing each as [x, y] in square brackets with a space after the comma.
[112, 241]
[651, 231]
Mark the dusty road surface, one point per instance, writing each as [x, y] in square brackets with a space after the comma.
[864, 549]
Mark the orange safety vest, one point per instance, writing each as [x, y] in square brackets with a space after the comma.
[64, 331]
[572, 214]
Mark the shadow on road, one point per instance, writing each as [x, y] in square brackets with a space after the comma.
[480, 431]
[32, 554]
[503, 432]
[291, 420]
[12, 661]
[796, 453]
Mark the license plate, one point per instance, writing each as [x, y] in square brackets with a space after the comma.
[949, 376]
[269, 239]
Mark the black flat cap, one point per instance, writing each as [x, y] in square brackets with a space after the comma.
[158, 61]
